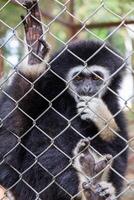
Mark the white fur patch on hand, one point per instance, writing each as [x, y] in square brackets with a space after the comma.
[96, 110]
[91, 108]
[87, 108]
[33, 70]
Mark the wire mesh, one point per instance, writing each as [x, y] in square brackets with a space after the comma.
[76, 28]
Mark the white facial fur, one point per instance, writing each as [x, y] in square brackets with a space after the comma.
[87, 70]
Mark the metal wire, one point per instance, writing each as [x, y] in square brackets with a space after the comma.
[64, 10]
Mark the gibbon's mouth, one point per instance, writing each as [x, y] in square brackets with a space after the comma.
[89, 94]
[79, 96]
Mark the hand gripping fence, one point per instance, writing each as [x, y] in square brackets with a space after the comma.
[36, 52]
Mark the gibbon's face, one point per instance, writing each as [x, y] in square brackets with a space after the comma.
[88, 81]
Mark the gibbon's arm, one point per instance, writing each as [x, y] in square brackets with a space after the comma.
[35, 63]
[21, 83]
[97, 111]
[36, 45]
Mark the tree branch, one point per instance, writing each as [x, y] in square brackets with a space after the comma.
[90, 25]
[79, 26]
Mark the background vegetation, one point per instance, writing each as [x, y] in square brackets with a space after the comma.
[65, 21]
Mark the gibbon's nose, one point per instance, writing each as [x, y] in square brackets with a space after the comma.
[87, 90]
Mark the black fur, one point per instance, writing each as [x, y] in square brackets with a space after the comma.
[29, 171]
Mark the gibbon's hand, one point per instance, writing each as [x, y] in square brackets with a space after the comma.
[89, 164]
[88, 108]
[96, 110]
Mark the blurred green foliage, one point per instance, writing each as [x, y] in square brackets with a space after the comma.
[10, 15]
[130, 114]
[88, 11]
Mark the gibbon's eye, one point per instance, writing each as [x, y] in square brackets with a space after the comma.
[97, 76]
[79, 77]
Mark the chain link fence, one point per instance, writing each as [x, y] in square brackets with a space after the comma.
[64, 22]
